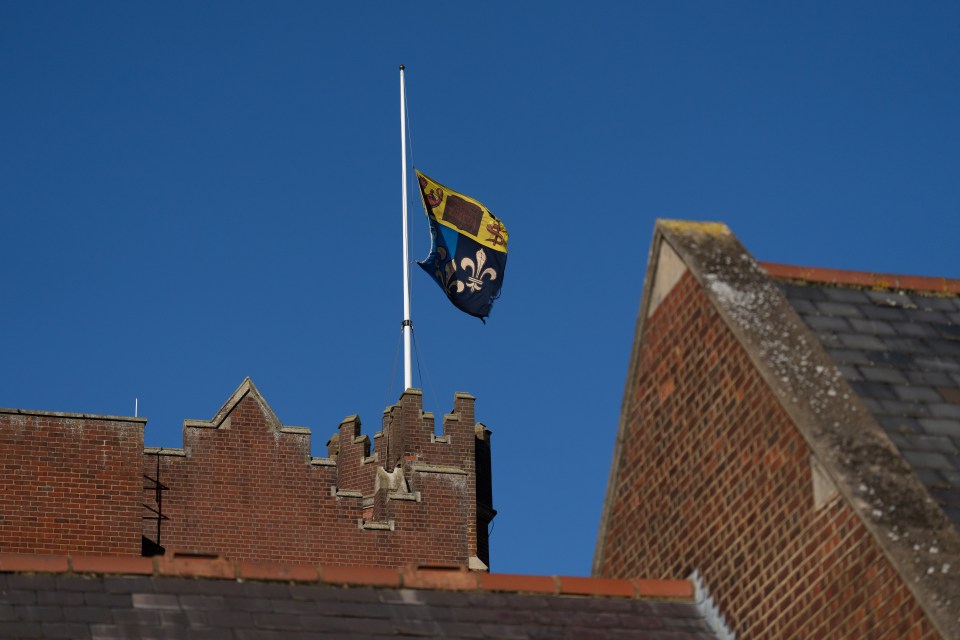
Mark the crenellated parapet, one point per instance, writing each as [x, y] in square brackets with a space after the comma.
[245, 485]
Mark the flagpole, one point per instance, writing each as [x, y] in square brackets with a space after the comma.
[407, 323]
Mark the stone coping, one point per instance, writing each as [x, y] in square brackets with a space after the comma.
[74, 416]
[445, 578]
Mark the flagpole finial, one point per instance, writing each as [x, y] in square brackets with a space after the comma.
[402, 67]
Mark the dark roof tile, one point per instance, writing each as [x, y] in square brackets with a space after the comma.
[849, 356]
[935, 303]
[927, 459]
[882, 374]
[876, 390]
[917, 393]
[875, 327]
[932, 378]
[941, 426]
[883, 313]
[891, 299]
[803, 306]
[839, 309]
[827, 323]
[900, 408]
[845, 295]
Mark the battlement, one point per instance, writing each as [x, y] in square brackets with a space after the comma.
[245, 485]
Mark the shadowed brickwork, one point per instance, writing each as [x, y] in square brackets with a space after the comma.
[715, 477]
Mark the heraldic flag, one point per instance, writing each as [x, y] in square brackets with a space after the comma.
[469, 249]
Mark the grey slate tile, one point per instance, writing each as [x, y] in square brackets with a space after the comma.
[875, 327]
[929, 477]
[899, 424]
[156, 601]
[19, 596]
[841, 294]
[839, 309]
[79, 583]
[901, 408]
[802, 306]
[916, 393]
[800, 292]
[876, 390]
[849, 372]
[891, 299]
[860, 341]
[71, 630]
[944, 410]
[923, 315]
[931, 378]
[882, 313]
[827, 323]
[943, 347]
[915, 329]
[952, 478]
[933, 444]
[883, 374]
[909, 345]
[934, 303]
[893, 359]
[934, 362]
[954, 317]
[941, 426]
[20, 630]
[88, 614]
[849, 356]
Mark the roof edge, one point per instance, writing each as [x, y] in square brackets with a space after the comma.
[452, 578]
[865, 279]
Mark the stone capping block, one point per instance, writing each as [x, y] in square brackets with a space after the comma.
[73, 416]
[432, 468]
[163, 451]
[443, 578]
[373, 525]
[323, 462]
[412, 497]
[303, 431]
[440, 439]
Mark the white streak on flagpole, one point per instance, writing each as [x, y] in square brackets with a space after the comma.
[407, 323]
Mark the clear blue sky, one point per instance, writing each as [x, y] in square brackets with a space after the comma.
[191, 193]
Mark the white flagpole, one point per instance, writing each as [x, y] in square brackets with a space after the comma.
[407, 323]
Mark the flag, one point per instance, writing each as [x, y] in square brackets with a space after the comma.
[469, 249]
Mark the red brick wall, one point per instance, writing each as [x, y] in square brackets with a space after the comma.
[70, 484]
[715, 477]
[249, 491]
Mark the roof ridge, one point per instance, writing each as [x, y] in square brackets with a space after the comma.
[865, 279]
[452, 578]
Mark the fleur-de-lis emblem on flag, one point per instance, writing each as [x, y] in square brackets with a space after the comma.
[477, 272]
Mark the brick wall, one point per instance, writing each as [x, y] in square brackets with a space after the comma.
[714, 477]
[245, 487]
[70, 483]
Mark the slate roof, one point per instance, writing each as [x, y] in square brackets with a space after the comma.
[896, 340]
[110, 597]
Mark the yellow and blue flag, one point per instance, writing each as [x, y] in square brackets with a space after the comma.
[469, 249]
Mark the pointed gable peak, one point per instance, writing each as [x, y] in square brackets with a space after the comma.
[246, 388]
